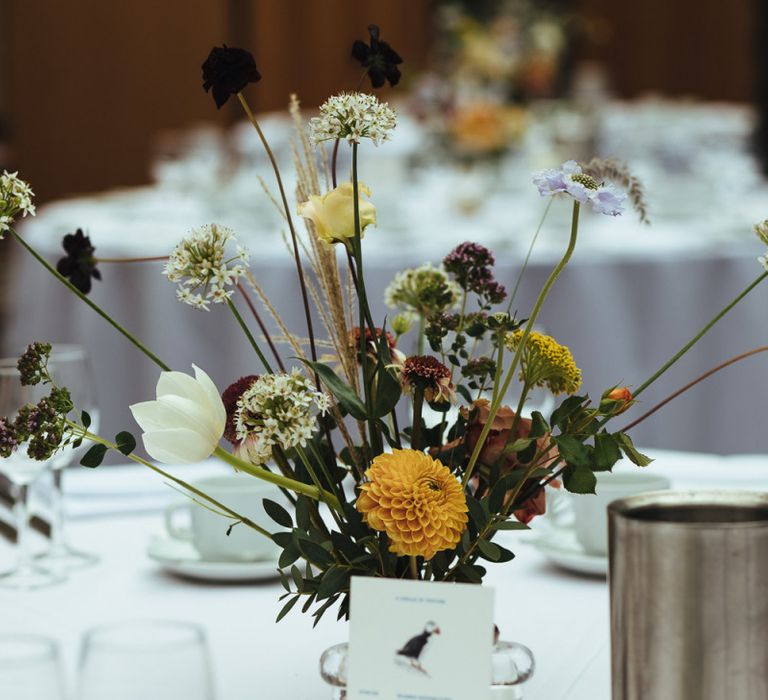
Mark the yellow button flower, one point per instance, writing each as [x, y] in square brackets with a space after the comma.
[546, 363]
[416, 501]
[332, 213]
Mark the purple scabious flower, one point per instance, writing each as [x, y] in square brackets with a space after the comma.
[572, 180]
[608, 199]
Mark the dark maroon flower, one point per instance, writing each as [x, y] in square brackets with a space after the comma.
[229, 397]
[471, 264]
[79, 265]
[379, 59]
[227, 71]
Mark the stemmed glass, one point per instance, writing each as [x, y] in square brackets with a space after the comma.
[70, 367]
[21, 471]
[153, 659]
[30, 668]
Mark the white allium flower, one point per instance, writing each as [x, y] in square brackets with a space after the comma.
[761, 231]
[353, 116]
[202, 269]
[277, 410]
[15, 198]
[763, 260]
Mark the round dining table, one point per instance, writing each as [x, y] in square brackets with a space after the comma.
[114, 512]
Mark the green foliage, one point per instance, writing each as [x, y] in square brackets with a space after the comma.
[94, 456]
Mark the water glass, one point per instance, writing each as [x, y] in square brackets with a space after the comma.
[30, 668]
[21, 471]
[152, 660]
[70, 367]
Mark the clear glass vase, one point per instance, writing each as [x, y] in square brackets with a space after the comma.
[512, 663]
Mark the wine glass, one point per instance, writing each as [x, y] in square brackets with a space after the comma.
[30, 668]
[70, 367]
[21, 471]
[149, 659]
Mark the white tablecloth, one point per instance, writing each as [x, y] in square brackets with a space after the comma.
[630, 298]
[562, 617]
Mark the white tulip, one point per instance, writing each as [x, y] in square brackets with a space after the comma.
[186, 421]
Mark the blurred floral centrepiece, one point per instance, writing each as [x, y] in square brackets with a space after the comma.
[393, 463]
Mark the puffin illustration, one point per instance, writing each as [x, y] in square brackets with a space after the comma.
[414, 647]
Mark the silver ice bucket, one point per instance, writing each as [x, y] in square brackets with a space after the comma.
[689, 596]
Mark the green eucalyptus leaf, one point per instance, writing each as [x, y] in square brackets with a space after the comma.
[297, 578]
[125, 442]
[511, 525]
[94, 456]
[345, 395]
[302, 513]
[489, 550]
[334, 581]
[279, 514]
[314, 553]
[287, 608]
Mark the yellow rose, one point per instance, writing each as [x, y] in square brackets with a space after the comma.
[333, 216]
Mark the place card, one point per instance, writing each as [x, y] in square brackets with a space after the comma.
[418, 640]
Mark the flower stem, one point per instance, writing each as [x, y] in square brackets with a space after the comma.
[292, 484]
[414, 568]
[362, 302]
[94, 306]
[249, 335]
[693, 383]
[79, 431]
[156, 258]
[496, 404]
[294, 237]
[418, 406]
[697, 337]
[528, 256]
[334, 158]
[264, 331]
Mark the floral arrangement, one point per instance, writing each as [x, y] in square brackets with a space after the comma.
[375, 488]
[491, 61]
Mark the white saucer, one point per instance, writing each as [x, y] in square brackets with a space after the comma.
[182, 559]
[562, 549]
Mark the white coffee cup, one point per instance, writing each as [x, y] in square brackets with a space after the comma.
[590, 516]
[207, 530]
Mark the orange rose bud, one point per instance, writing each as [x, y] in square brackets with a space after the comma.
[617, 400]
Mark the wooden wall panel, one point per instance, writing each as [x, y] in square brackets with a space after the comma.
[90, 82]
[697, 48]
[87, 83]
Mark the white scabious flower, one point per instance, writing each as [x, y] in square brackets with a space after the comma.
[424, 290]
[277, 410]
[353, 116]
[185, 422]
[202, 269]
[15, 198]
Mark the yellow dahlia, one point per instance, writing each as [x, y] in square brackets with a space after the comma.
[546, 363]
[416, 501]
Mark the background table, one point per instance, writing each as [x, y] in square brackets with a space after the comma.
[632, 295]
[562, 617]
